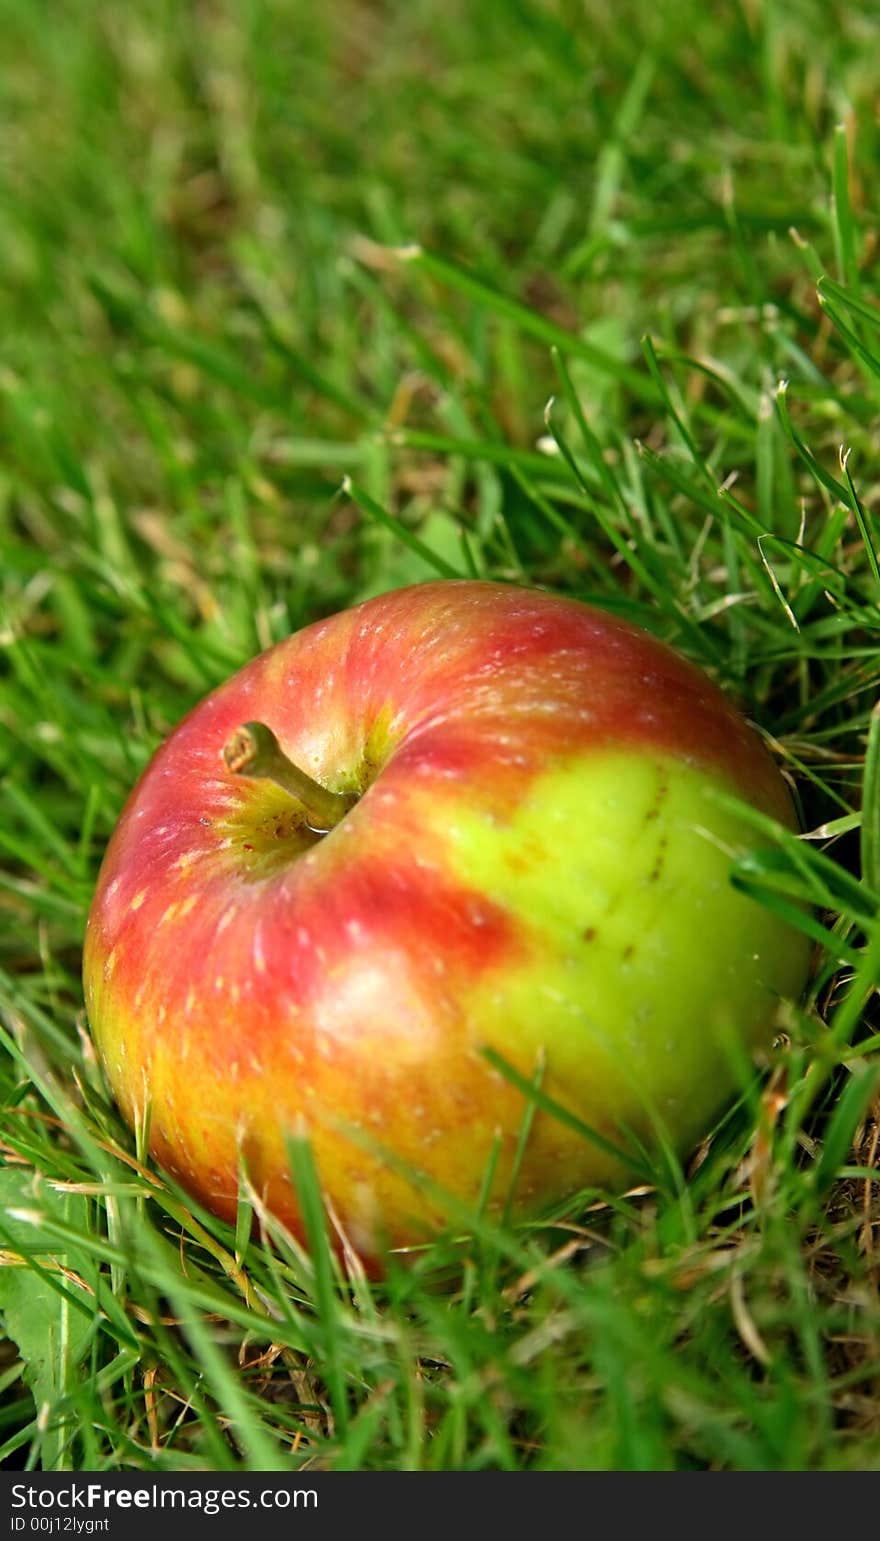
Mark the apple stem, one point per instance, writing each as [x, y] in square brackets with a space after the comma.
[254, 751]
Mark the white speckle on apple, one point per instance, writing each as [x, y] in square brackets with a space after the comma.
[259, 957]
[110, 965]
[218, 982]
[112, 888]
[161, 1015]
[187, 905]
[554, 995]
[190, 1000]
[138, 900]
[168, 914]
[227, 917]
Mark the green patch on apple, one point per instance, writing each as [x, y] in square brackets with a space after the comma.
[656, 973]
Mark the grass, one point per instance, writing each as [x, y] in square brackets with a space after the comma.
[286, 292]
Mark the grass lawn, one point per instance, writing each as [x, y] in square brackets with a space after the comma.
[251, 249]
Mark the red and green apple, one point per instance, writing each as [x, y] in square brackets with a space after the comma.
[460, 817]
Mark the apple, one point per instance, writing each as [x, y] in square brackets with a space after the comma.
[460, 817]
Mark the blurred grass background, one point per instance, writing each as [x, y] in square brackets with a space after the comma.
[249, 250]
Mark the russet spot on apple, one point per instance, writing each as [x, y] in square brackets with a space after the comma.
[462, 817]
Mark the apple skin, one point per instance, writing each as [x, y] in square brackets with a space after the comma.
[536, 865]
